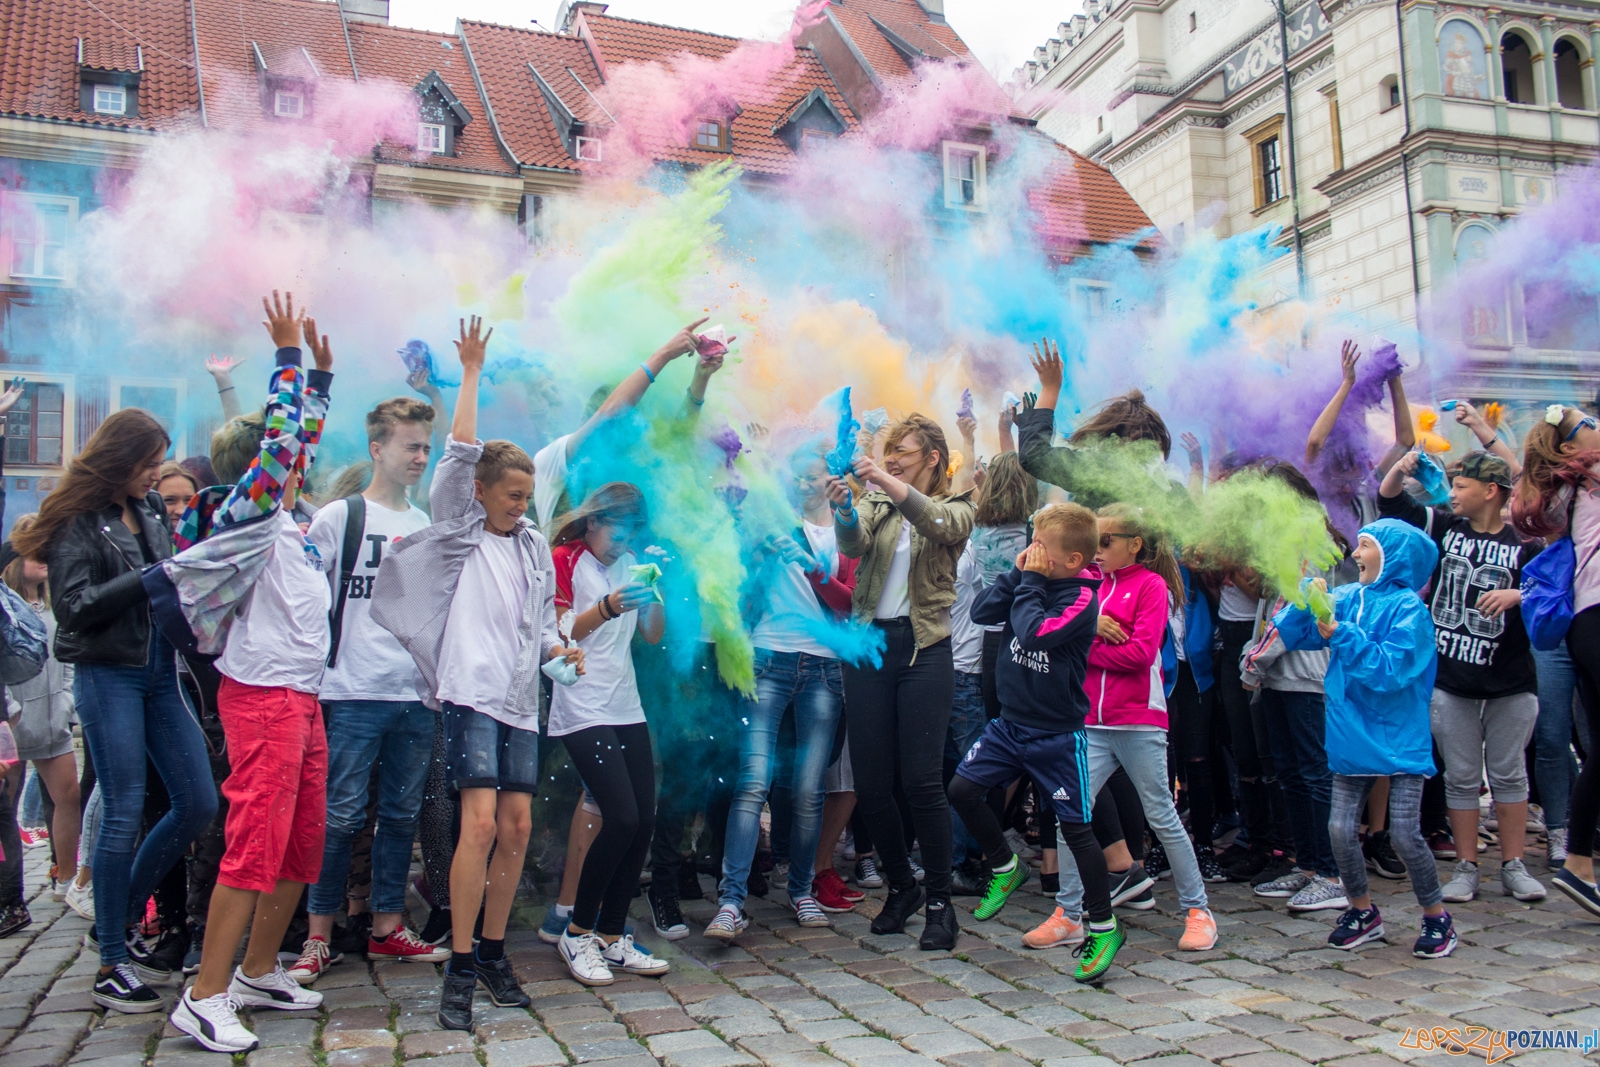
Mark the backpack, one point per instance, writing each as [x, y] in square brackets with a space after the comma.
[1547, 593]
[24, 640]
[355, 524]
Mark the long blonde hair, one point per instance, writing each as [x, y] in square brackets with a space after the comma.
[1550, 476]
[1156, 550]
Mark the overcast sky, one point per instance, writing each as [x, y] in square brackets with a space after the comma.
[1002, 33]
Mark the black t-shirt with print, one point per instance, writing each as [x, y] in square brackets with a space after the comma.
[1479, 657]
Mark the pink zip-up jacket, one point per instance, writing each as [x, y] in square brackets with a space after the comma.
[1124, 681]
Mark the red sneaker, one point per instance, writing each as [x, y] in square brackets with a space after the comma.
[827, 890]
[831, 877]
[315, 959]
[35, 838]
[402, 944]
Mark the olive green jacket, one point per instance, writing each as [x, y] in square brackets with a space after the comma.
[939, 530]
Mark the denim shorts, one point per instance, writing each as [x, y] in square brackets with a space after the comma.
[485, 753]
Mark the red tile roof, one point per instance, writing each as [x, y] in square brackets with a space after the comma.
[293, 36]
[1078, 202]
[764, 91]
[502, 55]
[406, 57]
[905, 18]
[39, 58]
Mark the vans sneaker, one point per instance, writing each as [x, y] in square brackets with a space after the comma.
[122, 990]
[666, 913]
[867, 874]
[213, 1022]
[1584, 894]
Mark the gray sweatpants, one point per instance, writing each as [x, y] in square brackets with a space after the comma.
[1474, 733]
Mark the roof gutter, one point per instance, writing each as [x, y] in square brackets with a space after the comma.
[199, 85]
[348, 47]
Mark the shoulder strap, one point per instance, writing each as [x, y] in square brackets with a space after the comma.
[355, 524]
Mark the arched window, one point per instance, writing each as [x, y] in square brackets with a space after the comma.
[1463, 67]
[1569, 75]
[1484, 304]
[1516, 65]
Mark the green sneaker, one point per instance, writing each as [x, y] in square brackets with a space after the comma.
[1001, 885]
[1098, 950]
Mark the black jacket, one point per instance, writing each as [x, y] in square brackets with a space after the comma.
[1049, 625]
[102, 610]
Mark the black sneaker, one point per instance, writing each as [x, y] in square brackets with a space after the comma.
[1277, 866]
[1438, 938]
[142, 954]
[964, 883]
[170, 948]
[122, 990]
[501, 981]
[1251, 864]
[438, 929]
[1132, 887]
[688, 881]
[940, 931]
[191, 958]
[350, 939]
[1582, 893]
[14, 917]
[1155, 861]
[665, 912]
[757, 885]
[900, 906]
[1210, 869]
[1381, 858]
[1231, 855]
[455, 1000]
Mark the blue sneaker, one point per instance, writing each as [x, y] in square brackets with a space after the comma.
[1438, 938]
[1356, 927]
[1584, 894]
[553, 927]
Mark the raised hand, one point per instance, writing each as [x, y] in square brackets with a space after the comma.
[868, 472]
[1191, 445]
[13, 393]
[221, 367]
[318, 345]
[282, 321]
[1047, 365]
[1407, 463]
[837, 490]
[418, 380]
[683, 342]
[1349, 356]
[968, 427]
[474, 344]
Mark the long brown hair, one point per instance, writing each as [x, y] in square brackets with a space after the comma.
[125, 441]
[12, 575]
[1128, 417]
[1009, 494]
[932, 437]
[617, 502]
[1550, 477]
[1155, 552]
[1295, 479]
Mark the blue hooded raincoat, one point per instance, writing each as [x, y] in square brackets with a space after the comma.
[1380, 678]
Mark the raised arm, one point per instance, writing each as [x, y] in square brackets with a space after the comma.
[965, 479]
[1405, 431]
[1041, 457]
[221, 370]
[1393, 501]
[1349, 356]
[471, 347]
[1197, 466]
[631, 390]
[1008, 418]
[1468, 416]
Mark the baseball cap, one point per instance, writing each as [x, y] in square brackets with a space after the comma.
[1484, 467]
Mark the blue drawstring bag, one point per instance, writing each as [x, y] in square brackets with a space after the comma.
[1547, 593]
[24, 641]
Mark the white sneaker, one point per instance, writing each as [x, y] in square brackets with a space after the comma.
[1320, 894]
[623, 954]
[1558, 847]
[275, 990]
[585, 958]
[214, 1022]
[1535, 819]
[1515, 881]
[80, 898]
[1463, 885]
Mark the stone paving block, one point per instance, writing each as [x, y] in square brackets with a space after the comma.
[1341, 1026]
[337, 1039]
[1132, 1048]
[1313, 1047]
[438, 1043]
[766, 1046]
[1036, 1049]
[591, 1051]
[589, 1032]
[288, 1032]
[527, 1052]
[37, 1057]
[361, 1057]
[986, 1059]
[710, 1057]
[791, 1011]
[1048, 1018]
[958, 1009]
[942, 1045]
[734, 1027]
[505, 1029]
[359, 1019]
[904, 1026]
[625, 1003]
[998, 1029]
[1225, 1047]
[926, 992]
[830, 1030]
[455, 1059]
[650, 1022]
[860, 1051]
[1181, 1032]
[136, 1059]
[593, 1011]
[662, 1044]
[1369, 1059]
[1264, 1059]
[281, 1057]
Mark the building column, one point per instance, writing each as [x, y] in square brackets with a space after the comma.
[1593, 76]
[1547, 45]
[1497, 75]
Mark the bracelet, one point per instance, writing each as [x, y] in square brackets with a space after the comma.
[839, 517]
[229, 389]
[606, 614]
[648, 373]
[697, 403]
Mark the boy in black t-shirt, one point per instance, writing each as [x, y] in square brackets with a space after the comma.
[1485, 700]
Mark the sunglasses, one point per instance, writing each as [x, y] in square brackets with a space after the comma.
[1105, 539]
[1587, 421]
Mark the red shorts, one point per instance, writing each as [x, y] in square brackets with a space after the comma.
[278, 789]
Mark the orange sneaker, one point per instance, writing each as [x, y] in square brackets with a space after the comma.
[1055, 931]
[1199, 931]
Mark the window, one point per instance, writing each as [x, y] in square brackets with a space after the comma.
[1516, 66]
[1569, 75]
[161, 398]
[1092, 299]
[430, 138]
[1388, 92]
[708, 135]
[36, 427]
[964, 176]
[287, 105]
[1100, 124]
[1192, 22]
[810, 139]
[110, 100]
[1271, 171]
[588, 148]
[1335, 130]
[36, 230]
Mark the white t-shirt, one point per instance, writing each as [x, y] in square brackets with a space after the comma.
[1180, 628]
[1236, 605]
[966, 636]
[1585, 533]
[482, 637]
[792, 614]
[895, 600]
[371, 664]
[607, 694]
[280, 637]
[549, 481]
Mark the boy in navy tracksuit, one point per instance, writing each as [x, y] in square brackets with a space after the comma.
[1049, 608]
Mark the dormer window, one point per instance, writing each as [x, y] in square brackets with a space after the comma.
[430, 138]
[810, 139]
[710, 135]
[440, 116]
[288, 105]
[587, 148]
[964, 178]
[110, 100]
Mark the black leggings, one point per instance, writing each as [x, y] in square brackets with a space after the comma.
[1119, 815]
[971, 802]
[617, 764]
[1189, 743]
[1583, 641]
[898, 717]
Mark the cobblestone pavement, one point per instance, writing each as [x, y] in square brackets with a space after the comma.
[1271, 995]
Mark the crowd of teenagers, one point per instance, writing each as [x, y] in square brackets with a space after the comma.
[276, 695]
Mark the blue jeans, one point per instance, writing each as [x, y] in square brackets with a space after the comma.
[31, 813]
[1296, 726]
[398, 736]
[1405, 833]
[968, 717]
[129, 713]
[816, 688]
[1555, 768]
[1143, 754]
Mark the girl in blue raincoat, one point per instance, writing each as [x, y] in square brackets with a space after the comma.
[1379, 683]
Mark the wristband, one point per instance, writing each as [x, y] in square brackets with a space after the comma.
[603, 608]
[692, 400]
[227, 389]
[648, 373]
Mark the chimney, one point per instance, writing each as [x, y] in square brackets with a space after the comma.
[366, 11]
[569, 10]
[934, 9]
